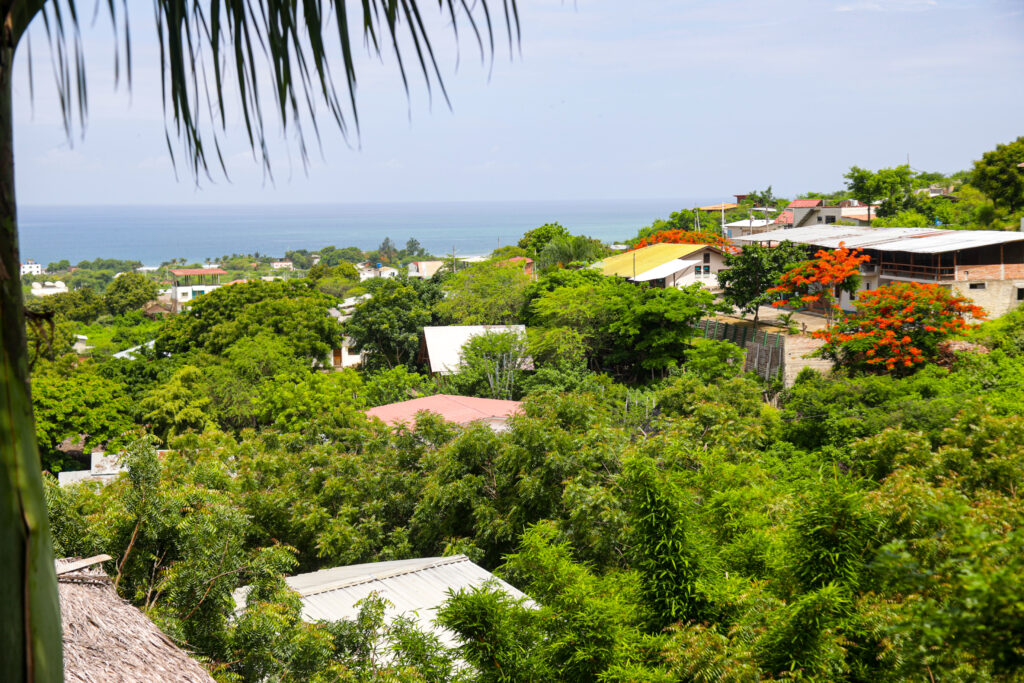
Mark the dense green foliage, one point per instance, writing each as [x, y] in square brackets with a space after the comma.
[867, 529]
[670, 517]
[751, 272]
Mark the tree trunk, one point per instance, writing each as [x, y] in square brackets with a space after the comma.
[30, 627]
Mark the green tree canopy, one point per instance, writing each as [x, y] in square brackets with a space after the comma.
[891, 185]
[293, 310]
[129, 292]
[78, 404]
[387, 326]
[750, 273]
[999, 175]
[485, 294]
[534, 241]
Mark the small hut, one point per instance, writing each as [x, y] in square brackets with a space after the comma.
[107, 639]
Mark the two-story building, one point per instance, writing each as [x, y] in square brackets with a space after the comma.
[984, 265]
[30, 267]
[189, 283]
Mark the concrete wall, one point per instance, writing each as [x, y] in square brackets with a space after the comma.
[715, 264]
[997, 297]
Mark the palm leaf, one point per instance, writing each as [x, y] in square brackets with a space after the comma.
[208, 47]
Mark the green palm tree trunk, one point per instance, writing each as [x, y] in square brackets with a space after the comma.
[30, 628]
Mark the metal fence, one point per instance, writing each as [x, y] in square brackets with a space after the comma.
[765, 350]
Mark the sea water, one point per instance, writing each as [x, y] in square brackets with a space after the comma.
[154, 234]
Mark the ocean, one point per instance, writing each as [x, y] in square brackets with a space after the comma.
[154, 234]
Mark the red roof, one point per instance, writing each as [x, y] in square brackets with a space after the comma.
[515, 259]
[457, 409]
[180, 272]
[804, 203]
[785, 218]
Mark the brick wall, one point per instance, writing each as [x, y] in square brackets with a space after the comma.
[993, 271]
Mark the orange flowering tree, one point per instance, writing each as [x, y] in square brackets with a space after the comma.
[898, 327]
[819, 281]
[681, 237]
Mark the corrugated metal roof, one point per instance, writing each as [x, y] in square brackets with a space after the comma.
[751, 223]
[665, 269]
[415, 588]
[909, 240]
[444, 344]
[646, 258]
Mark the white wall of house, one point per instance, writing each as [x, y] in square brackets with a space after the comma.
[704, 273]
[186, 293]
[345, 357]
[31, 268]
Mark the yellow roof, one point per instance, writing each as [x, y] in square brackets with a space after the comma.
[641, 260]
[717, 207]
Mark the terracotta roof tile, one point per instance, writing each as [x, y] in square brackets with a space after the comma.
[457, 409]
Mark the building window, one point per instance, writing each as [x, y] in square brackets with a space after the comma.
[1020, 294]
[819, 219]
[830, 219]
[707, 257]
[707, 270]
[977, 285]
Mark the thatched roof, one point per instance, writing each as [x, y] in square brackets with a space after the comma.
[107, 639]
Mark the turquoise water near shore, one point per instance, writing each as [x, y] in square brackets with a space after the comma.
[153, 234]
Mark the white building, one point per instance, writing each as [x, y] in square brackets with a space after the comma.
[282, 265]
[442, 345]
[425, 269]
[49, 288]
[368, 271]
[30, 267]
[190, 283]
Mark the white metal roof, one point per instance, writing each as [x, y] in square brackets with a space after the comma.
[416, 589]
[910, 240]
[664, 270]
[444, 344]
[130, 354]
[751, 223]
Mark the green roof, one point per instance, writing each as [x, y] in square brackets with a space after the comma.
[641, 260]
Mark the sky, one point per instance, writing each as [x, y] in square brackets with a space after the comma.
[601, 99]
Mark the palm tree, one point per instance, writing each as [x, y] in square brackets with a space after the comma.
[208, 48]
[566, 249]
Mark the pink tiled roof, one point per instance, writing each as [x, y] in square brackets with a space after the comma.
[515, 259]
[180, 272]
[785, 218]
[457, 409]
[804, 203]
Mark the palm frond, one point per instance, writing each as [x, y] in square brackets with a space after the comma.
[209, 48]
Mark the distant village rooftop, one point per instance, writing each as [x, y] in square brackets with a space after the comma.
[184, 272]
